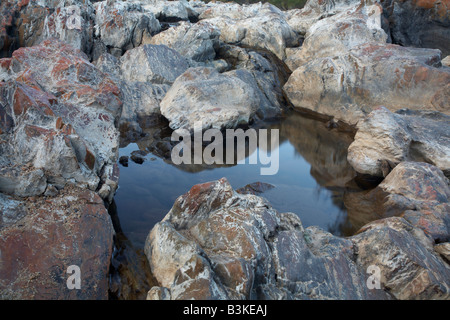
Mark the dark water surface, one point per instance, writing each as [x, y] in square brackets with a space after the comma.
[313, 179]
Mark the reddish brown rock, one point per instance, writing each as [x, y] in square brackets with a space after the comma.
[65, 112]
[41, 238]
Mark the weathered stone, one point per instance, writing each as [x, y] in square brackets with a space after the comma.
[302, 19]
[197, 41]
[140, 98]
[65, 114]
[171, 11]
[255, 188]
[335, 35]
[407, 135]
[408, 266]
[157, 64]
[258, 26]
[124, 25]
[444, 250]
[446, 61]
[347, 87]
[218, 100]
[41, 238]
[419, 192]
[423, 23]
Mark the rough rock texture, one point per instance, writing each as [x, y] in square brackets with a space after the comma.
[409, 267]
[347, 87]
[337, 34]
[61, 122]
[123, 25]
[302, 19]
[337, 70]
[216, 243]
[41, 237]
[197, 41]
[419, 23]
[446, 61]
[260, 26]
[58, 153]
[218, 100]
[153, 63]
[171, 11]
[416, 191]
[111, 26]
[140, 98]
[386, 137]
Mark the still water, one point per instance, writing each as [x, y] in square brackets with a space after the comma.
[312, 181]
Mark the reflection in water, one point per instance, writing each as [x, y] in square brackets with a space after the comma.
[312, 179]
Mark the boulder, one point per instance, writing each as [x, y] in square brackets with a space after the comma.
[347, 87]
[409, 267]
[337, 34]
[140, 98]
[41, 237]
[407, 135]
[302, 19]
[152, 63]
[257, 26]
[416, 191]
[61, 124]
[71, 22]
[123, 25]
[423, 23]
[218, 100]
[218, 244]
[197, 41]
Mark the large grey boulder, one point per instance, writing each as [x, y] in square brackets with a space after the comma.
[337, 34]
[141, 99]
[416, 191]
[217, 100]
[337, 70]
[43, 240]
[348, 87]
